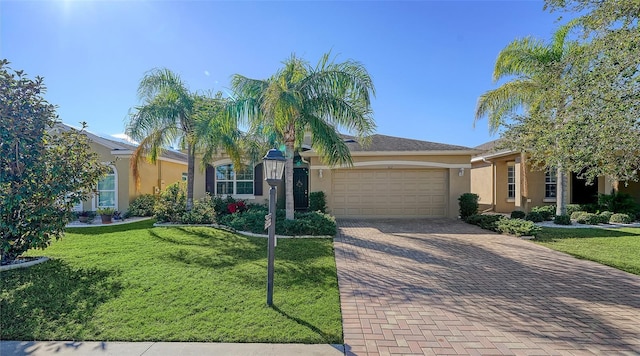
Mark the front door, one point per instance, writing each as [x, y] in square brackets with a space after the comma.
[582, 193]
[301, 188]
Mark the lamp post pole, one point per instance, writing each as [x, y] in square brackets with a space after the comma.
[271, 249]
[274, 163]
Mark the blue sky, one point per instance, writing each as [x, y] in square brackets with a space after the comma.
[429, 60]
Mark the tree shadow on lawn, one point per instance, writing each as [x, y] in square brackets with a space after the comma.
[329, 338]
[550, 234]
[53, 299]
[109, 229]
[294, 257]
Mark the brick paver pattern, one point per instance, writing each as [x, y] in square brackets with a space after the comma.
[442, 287]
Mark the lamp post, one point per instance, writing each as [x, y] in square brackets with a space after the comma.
[273, 167]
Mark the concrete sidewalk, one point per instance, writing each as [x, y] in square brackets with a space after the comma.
[91, 348]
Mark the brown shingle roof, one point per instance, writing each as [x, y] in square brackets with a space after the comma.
[380, 143]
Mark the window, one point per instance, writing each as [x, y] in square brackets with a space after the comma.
[511, 182]
[550, 183]
[232, 182]
[107, 190]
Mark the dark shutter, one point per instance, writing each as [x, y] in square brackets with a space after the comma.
[210, 179]
[257, 180]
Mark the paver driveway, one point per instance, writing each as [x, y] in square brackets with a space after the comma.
[445, 287]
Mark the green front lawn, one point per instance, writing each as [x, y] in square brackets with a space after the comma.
[618, 248]
[138, 283]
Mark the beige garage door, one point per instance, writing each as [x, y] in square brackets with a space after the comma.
[394, 193]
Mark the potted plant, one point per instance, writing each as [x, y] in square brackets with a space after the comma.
[106, 214]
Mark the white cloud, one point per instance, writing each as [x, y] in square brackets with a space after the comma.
[206, 72]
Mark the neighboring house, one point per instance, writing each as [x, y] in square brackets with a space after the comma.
[504, 185]
[391, 177]
[118, 188]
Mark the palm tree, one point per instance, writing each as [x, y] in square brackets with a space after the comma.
[172, 114]
[301, 99]
[534, 67]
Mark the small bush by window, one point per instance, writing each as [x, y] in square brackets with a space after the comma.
[547, 211]
[142, 205]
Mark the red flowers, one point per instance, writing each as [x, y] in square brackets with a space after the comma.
[236, 207]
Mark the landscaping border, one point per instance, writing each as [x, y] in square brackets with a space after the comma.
[34, 262]
[245, 233]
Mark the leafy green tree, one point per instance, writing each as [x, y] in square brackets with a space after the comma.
[43, 173]
[604, 89]
[172, 114]
[529, 104]
[302, 99]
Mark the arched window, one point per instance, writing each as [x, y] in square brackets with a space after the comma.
[108, 190]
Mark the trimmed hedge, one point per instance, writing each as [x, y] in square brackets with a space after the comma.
[487, 222]
[547, 211]
[142, 205]
[308, 223]
[468, 203]
[621, 219]
[562, 220]
[518, 214]
[518, 227]
[534, 217]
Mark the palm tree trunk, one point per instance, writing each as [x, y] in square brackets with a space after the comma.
[561, 193]
[191, 160]
[288, 172]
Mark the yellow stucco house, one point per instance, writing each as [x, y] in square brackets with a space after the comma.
[392, 177]
[504, 184]
[118, 188]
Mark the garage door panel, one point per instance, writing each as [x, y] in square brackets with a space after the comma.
[389, 193]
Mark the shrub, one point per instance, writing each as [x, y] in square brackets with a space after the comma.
[621, 219]
[318, 202]
[518, 214]
[588, 218]
[577, 215]
[534, 217]
[547, 211]
[518, 227]
[562, 220]
[468, 205]
[172, 203]
[605, 216]
[618, 203]
[572, 208]
[487, 222]
[202, 212]
[309, 223]
[142, 205]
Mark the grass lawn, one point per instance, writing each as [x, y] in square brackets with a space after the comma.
[618, 248]
[134, 282]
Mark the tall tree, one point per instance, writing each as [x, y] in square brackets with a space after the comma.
[301, 99]
[605, 88]
[536, 70]
[43, 173]
[171, 114]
